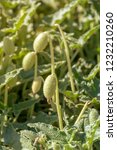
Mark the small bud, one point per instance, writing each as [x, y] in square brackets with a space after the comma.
[49, 86]
[8, 46]
[93, 116]
[28, 61]
[36, 85]
[42, 139]
[40, 42]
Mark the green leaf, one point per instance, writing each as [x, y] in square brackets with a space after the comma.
[4, 79]
[51, 132]
[9, 4]
[59, 16]
[29, 134]
[84, 38]
[17, 108]
[93, 72]
[24, 18]
[92, 134]
[11, 137]
[27, 139]
[72, 96]
[91, 88]
[46, 68]
[43, 117]
[2, 107]
[17, 25]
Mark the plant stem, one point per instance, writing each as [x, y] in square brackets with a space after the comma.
[5, 100]
[35, 76]
[57, 90]
[58, 106]
[68, 59]
[36, 67]
[82, 111]
[52, 56]
[31, 111]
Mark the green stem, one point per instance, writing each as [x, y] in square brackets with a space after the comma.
[36, 67]
[5, 100]
[68, 59]
[31, 111]
[52, 56]
[57, 90]
[82, 112]
[35, 76]
[58, 107]
[6, 96]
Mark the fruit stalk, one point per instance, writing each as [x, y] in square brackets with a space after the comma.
[52, 56]
[36, 67]
[5, 100]
[82, 112]
[57, 90]
[58, 106]
[35, 76]
[68, 59]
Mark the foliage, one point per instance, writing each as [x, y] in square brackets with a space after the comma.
[21, 21]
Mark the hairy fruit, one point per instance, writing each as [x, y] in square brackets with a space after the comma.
[49, 86]
[28, 61]
[40, 42]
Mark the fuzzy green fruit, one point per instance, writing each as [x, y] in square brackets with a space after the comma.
[36, 85]
[49, 86]
[8, 46]
[93, 116]
[28, 61]
[40, 42]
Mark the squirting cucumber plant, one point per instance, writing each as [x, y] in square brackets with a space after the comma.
[49, 75]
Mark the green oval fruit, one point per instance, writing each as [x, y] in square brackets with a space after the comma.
[28, 61]
[36, 85]
[49, 86]
[93, 116]
[8, 46]
[40, 42]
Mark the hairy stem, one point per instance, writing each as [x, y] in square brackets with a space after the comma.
[52, 56]
[68, 59]
[58, 106]
[57, 90]
[82, 112]
[35, 76]
[5, 100]
[36, 67]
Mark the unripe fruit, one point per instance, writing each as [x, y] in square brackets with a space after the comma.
[40, 42]
[8, 46]
[93, 116]
[28, 61]
[49, 86]
[36, 85]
